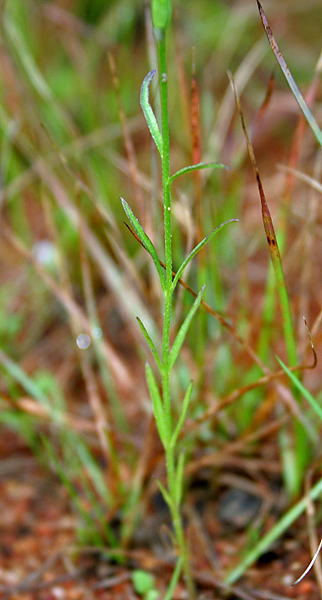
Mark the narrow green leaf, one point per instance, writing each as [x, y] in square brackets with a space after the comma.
[289, 78]
[185, 406]
[150, 343]
[157, 405]
[305, 392]
[197, 167]
[145, 240]
[178, 490]
[166, 495]
[196, 250]
[183, 330]
[149, 114]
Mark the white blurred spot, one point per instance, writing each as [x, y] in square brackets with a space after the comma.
[45, 252]
[96, 333]
[83, 341]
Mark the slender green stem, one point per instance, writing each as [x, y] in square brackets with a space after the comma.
[168, 297]
[163, 82]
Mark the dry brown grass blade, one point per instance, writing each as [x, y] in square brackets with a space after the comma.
[266, 215]
[293, 86]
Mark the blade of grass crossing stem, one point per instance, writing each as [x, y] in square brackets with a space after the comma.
[289, 78]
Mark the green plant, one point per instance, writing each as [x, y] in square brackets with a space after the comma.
[166, 358]
[65, 159]
[144, 585]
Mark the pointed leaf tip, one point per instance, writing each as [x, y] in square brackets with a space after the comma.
[148, 112]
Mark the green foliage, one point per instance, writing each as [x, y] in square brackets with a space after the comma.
[72, 141]
[143, 583]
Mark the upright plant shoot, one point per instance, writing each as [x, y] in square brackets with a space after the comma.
[165, 359]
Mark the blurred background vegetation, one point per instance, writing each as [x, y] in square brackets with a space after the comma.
[73, 140]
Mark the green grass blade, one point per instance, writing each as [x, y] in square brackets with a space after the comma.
[304, 391]
[149, 114]
[183, 330]
[276, 532]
